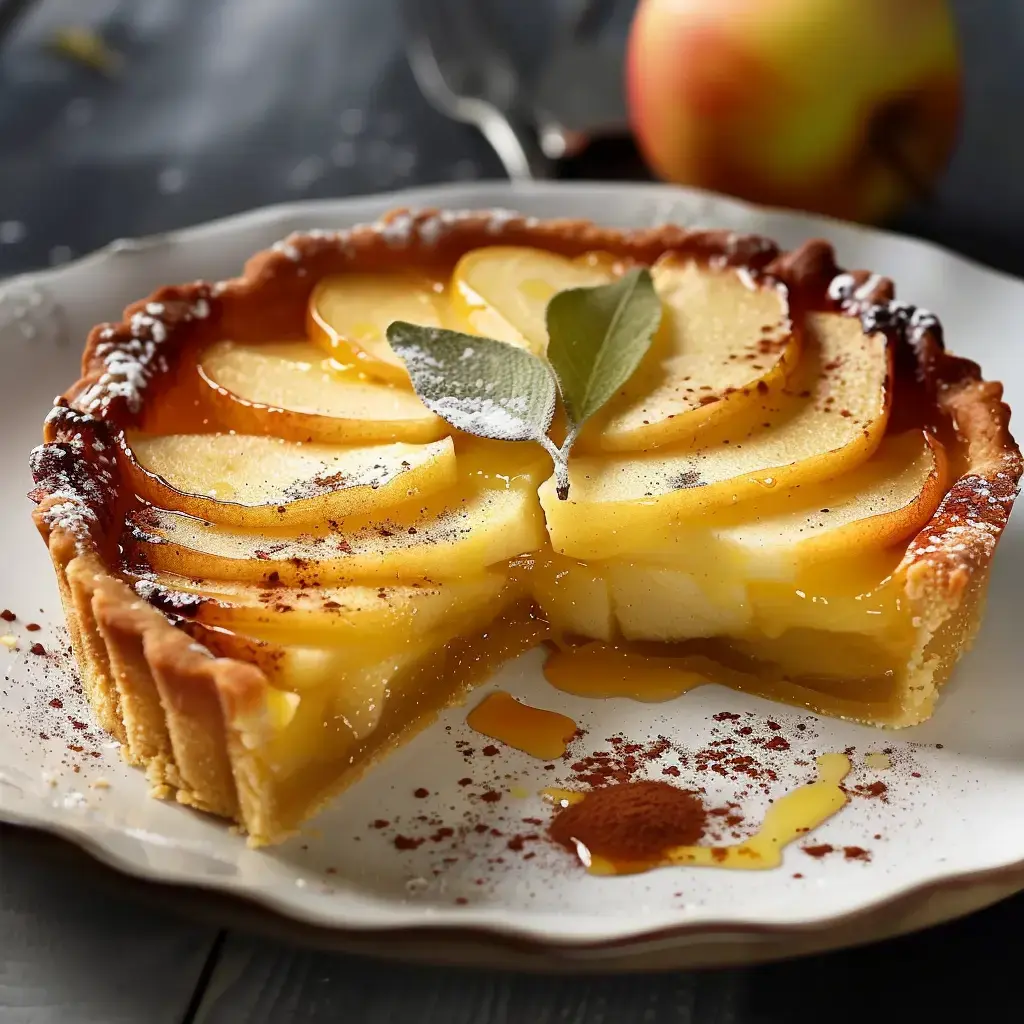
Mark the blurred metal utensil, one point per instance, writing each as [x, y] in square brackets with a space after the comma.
[467, 76]
[579, 95]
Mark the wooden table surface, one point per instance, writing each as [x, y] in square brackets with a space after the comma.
[224, 105]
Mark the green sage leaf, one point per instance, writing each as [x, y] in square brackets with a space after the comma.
[597, 337]
[485, 387]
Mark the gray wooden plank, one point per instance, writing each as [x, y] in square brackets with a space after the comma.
[75, 950]
[261, 982]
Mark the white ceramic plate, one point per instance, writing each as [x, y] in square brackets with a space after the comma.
[946, 840]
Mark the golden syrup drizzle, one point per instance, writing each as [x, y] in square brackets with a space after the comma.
[788, 819]
[534, 731]
[601, 670]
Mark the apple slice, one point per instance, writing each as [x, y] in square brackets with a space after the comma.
[624, 504]
[654, 603]
[724, 342]
[349, 315]
[886, 500]
[502, 291]
[241, 480]
[356, 695]
[378, 618]
[456, 533]
[573, 596]
[291, 390]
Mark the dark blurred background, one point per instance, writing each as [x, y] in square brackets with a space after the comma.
[216, 106]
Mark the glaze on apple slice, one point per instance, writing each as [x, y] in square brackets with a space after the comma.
[764, 572]
[725, 342]
[243, 480]
[292, 390]
[358, 615]
[456, 533]
[502, 292]
[886, 500]
[349, 316]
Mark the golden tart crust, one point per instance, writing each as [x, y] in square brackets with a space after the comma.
[192, 719]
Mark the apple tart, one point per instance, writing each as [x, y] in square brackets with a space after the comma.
[283, 544]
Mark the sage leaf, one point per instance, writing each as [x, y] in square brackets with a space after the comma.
[597, 337]
[485, 387]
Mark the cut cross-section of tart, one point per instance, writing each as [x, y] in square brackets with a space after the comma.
[279, 560]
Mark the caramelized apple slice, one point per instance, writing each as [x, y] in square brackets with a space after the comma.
[624, 504]
[374, 618]
[724, 342]
[349, 316]
[503, 291]
[291, 390]
[886, 500]
[454, 534]
[241, 480]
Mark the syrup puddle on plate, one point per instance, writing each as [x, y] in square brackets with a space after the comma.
[622, 815]
[600, 670]
[534, 731]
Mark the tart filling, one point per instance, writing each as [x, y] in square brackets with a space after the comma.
[277, 562]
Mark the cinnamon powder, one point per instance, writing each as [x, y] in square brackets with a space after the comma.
[631, 821]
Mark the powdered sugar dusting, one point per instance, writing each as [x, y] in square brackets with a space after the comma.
[406, 228]
[499, 219]
[146, 589]
[478, 385]
[861, 300]
[79, 484]
[130, 361]
[288, 250]
[867, 289]
[970, 519]
[173, 602]
[486, 417]
[841, 287]
[72, 515]
[398, 231]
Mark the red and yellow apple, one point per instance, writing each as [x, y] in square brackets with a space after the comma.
[845, 107]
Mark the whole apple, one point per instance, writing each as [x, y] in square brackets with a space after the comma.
[844, 107]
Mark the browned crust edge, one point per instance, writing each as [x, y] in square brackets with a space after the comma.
[190, 718]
